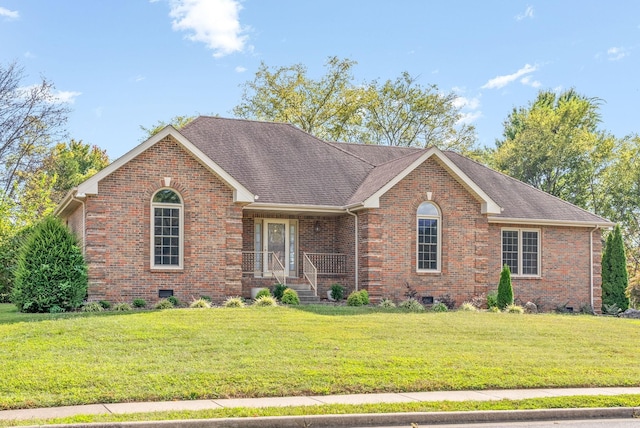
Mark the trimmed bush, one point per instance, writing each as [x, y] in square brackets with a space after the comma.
[290, 297]
[234, 302]
[505, 290]
[92, 307]
[492, 299]
[164, 304]
[337, 292]
[265, 301]
[122, 307]
[439, 307]
[386, 303]
[278, 291]
[514, 309]
[494, 309]
[354, 299]
[51, 271]
[139, 303]
[262, 293]
[174, 301]
[468, 307]
[105, 304]
[411, 305]
[615, 278]
[200, 303]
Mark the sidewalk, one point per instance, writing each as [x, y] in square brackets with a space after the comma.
[124, 408]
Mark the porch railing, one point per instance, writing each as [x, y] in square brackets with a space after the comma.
[310, 273]
[329, 263]
[253, 263]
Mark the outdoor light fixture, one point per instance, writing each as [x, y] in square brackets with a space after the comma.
[316, 227]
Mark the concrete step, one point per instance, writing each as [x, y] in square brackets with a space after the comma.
[305, 293]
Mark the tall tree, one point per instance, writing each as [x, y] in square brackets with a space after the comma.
[30, 119]
[554, 144]
[614, 272]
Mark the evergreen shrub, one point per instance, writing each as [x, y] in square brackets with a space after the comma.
[290, 297]
[505, 289]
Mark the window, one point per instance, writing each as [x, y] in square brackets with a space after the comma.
[428, 237]
[166, 226]
[521, 251]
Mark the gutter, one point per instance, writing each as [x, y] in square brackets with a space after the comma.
[355, 245]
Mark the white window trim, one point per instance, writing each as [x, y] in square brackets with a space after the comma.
[520, 243]
[439, 245]
[152, 231]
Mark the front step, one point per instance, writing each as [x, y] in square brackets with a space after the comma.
[305, 293]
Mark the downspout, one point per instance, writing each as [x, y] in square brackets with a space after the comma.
[355, 245]
[84, 215]
[591, 264]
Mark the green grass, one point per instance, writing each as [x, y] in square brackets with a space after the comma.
[338, 409]
[254, 352]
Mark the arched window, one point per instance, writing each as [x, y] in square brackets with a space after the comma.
[167, 230]
[428, 238]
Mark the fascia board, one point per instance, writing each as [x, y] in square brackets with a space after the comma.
[547, 222]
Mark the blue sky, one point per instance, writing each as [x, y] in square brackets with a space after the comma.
[126, 63]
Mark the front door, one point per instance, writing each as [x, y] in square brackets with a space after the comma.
[280, 240]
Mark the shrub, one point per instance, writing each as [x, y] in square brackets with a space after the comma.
[337, 292]
[612, 309]
[262, 293]
[51, 271]
[358, 298]
[163, 304]
[505, 290]
[10, 244]
[234, 302]
[55, 309]
[105, 304]
[92, 307]
[174, 301]
[207, 298]
[468, 307]
[447, 300]
[494, 309]
[410, 293]
[615, 278]
[290, 297]
[492, 299]
[200, 303]
[514, 309]
[278, 291]
[265, 301]
[122, 307]
[439, 307]
[386, 303]
[479, 301]
[139, 303]
[411, 305]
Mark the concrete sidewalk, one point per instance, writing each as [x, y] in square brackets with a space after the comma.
[124, 408]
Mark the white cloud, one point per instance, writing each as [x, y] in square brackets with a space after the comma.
[528, 13]
[464, 102]
[615, 54]
[68, 97]
[502, 81]
[28, 54]
[212, 22]
[469, 117]
[240, 69]
[10, 14]
[526, 80]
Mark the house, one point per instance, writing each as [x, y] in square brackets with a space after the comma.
[225, 205]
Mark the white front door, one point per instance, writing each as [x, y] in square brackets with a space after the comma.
[280, 239]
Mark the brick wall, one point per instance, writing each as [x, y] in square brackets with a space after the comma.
[118, 246]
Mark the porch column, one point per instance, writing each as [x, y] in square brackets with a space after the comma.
[371, 253]
[233, 268]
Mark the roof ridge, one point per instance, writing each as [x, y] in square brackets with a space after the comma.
[336, 145]
[526, 184]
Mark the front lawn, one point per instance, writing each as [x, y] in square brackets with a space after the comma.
[250, 352]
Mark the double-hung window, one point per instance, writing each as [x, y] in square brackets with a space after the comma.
[428, 238]
[521, 251]
[166, 230]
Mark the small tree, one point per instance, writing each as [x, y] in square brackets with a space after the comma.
[51, 274]
[615, 278]
[505, 290]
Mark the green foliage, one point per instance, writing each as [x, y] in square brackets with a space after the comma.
[55, 309]
[122, 307]
[614, 272]
[262, 293]
[139, 303]
[611, 309]
[265, 300]
[174, 301]
[200, 303]
[358, 298]
[278, 291]
[447, 300]
[11, 240]
[514, 309]
[177, 122]
[411, 305]
[163, 304]
[234, 302]
[337, 292]
[207, 298]
[105, 304]
[92, 307]
[494, 309]
[386, 303]
[468, 307]
[439, 307]
[505, 290]
[492, 299]
[290, 297]
[51, 270]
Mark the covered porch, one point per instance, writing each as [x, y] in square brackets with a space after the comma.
[306, 251]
